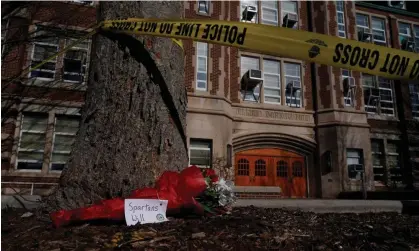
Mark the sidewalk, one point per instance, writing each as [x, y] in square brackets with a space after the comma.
[313, 205]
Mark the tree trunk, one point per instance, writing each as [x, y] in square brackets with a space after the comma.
[133, 121]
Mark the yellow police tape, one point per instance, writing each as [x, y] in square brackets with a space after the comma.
[283, 42]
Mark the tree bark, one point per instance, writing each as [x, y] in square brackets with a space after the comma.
[133, 121]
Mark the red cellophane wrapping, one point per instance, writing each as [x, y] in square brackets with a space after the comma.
[179, 189]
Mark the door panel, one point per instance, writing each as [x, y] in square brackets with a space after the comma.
[298, 182]
[259, 171]
[282, 175]
[242, 171]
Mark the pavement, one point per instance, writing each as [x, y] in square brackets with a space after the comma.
[313, 205]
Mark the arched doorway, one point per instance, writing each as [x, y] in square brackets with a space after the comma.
[272, 167]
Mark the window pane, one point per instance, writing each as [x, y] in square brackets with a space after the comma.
[379, 35]
[353, 154]
[341, 18]
[272, 81]
[202, 49]
[270, 4]
[378, 23]
[202, 64]
[35, 156]
[200, 144]
[273, 100]
[34, 122]
[272, 92]
[404, 29]
[292, 69]
[339, 6]
[269, 16]
[271, 66]
[67, 124]
[362, 20]
[201, 84]
[247, 63]
[202, 76]
[32, 141]
[392, 147]
[63, 142]
[42, 52]
[289, 6]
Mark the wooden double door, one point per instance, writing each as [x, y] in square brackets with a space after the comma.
[272, 167]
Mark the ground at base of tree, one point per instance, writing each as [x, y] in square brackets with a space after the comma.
[246, 228]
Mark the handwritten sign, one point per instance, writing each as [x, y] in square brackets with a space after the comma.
[145, 211]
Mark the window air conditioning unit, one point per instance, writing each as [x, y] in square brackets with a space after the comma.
[294, 86]
[348, 83]
[408, 44]
[289, 20]
[249, 13]
[251, 79]
[364, 35]
[397, 4]
[358, 168]
[203, 6]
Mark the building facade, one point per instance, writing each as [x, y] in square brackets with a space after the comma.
[302, 132]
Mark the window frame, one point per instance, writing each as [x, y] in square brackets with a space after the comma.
[210, 149]
[54, 133]
[279, 10]
[282, 74]
[412, 30]
[376, 84]
[19, 149]
[360, 159]
[208, 2]
[342, 12]
[371, 29]
[381, 156]
[55, 60]
[412, 94]
[86, 66]
[197, 71]
[352, 96]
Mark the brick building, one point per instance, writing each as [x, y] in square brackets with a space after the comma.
[302, 132]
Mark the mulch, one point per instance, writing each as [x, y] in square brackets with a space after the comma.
[246, 228]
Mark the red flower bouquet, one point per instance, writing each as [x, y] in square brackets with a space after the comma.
[200, 191]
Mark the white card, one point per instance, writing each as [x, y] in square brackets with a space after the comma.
[145, 211]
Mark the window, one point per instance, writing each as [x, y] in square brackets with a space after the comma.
[243, 167]
[272, 81]
[45, 46]
[200, 152]
[32, 142]
[75, 61]
[281, 169]
[414, 98]
[290, 9]
[267, 12]
[353, 160]
[393, 162]
[202, 66]
[293, 84]
[378, 164]
[243, 5]
[349, 94]
[377, 29]
[340, 11]
[378, 95]
[203, 7]
[297, 169]
[260, 168]
[65, 130]
[408, 37]
[250, 63]
[274, 84]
